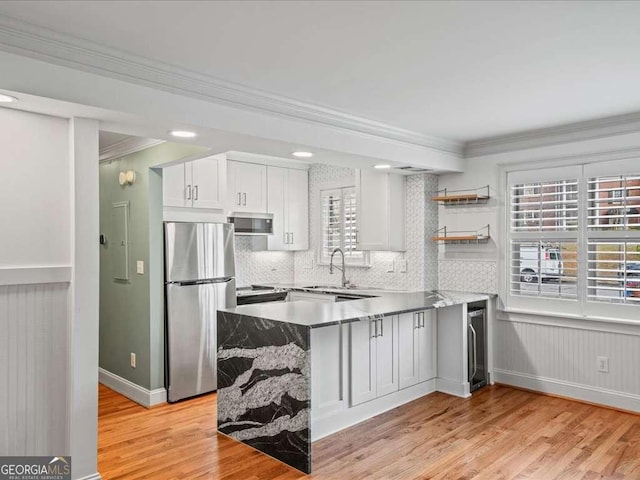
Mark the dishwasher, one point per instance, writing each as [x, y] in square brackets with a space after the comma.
[477, 348]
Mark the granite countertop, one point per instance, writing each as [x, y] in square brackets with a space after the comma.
[385, 302]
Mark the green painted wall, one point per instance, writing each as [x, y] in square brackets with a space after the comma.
[132, 312]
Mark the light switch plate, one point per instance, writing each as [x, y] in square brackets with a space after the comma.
[391, 267]
[403, 266]
[140, 267]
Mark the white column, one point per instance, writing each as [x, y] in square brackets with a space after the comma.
[84, 298]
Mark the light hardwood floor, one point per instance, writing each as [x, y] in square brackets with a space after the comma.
[498, 434]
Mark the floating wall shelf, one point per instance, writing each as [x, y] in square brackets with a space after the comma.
[471, 196]
[467, 236]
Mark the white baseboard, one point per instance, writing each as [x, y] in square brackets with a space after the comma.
[452, 387]
[95, 476]
[146, 398]
[321, 427]
[587, 393]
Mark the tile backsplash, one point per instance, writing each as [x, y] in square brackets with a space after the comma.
[261, 266]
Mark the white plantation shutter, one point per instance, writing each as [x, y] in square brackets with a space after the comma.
[339, 210]
[544, 206]
[574, 240]
[543, 214]
[613, 213]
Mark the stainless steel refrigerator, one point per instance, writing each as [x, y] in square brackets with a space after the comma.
[199, 280]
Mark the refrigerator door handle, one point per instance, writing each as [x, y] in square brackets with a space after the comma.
[475, 359]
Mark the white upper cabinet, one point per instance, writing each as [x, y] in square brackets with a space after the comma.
[288, 201]
[197, 184]
[246, 187]
[380, 221]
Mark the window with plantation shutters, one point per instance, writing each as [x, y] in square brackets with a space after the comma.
[543, 216]
[339, 210]
[574, 240]
[613, 213]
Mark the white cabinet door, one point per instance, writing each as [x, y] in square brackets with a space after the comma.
[328, 375]
[372, 204]
[277, 193]
[387, 356]
[174, 187]
[408, 349]
[363, 362]
[427, 346]
[380, 219]
[247, 187]
[298, 209]
[209, 181]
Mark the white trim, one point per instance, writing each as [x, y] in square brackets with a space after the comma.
[146, 398]
[572, 132]
[95, 476]
[452, 387]
[127, 146]
[269, 160]
[578, 322]
[35, 275]
[32, 41]
[332, 423]
[587, 393]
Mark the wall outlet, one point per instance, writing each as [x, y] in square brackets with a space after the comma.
[133, 360]
[140, 267]
[391, 267]
[603, 364]
[403, 266]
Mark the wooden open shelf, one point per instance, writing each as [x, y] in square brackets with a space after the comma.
[474, 196]
[479, 236]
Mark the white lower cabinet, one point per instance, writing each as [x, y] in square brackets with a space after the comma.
[416, 347]
[329, 375]
[373, 348]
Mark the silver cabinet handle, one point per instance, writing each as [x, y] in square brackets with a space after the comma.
[422, 316]
[195, 192]
[286, 238]
[188, 192]
[291, 238]
[415, 321]
[244, 199]
[375, 325]
[381, 320]
[475, 359]
[239, 198]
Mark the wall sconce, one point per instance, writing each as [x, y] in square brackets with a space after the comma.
[127, 178]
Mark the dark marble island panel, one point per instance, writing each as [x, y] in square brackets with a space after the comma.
[264, 386]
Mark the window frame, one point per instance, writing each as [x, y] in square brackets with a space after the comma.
[583, 307]
[363, 261]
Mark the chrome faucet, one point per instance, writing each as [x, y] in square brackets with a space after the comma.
[345, 282]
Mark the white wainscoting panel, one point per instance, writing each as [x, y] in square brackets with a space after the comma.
[34, 366]
[563, 360]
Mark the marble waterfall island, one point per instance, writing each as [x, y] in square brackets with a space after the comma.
[264, 386]
[292, 373]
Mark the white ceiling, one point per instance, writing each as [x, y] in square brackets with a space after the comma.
[110, 139]
[459, 70]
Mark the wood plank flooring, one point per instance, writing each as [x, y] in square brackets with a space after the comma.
[498, 434]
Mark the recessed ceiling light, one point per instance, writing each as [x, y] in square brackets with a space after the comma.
[382, 166]
[7, 98]
[182, 133]
[302, 154]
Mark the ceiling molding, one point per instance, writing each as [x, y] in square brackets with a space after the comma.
[127, 146]
[544, 137]
[26, 39]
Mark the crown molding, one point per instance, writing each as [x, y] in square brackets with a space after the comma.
[127, 146]
[544, 137]
[26, 39]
